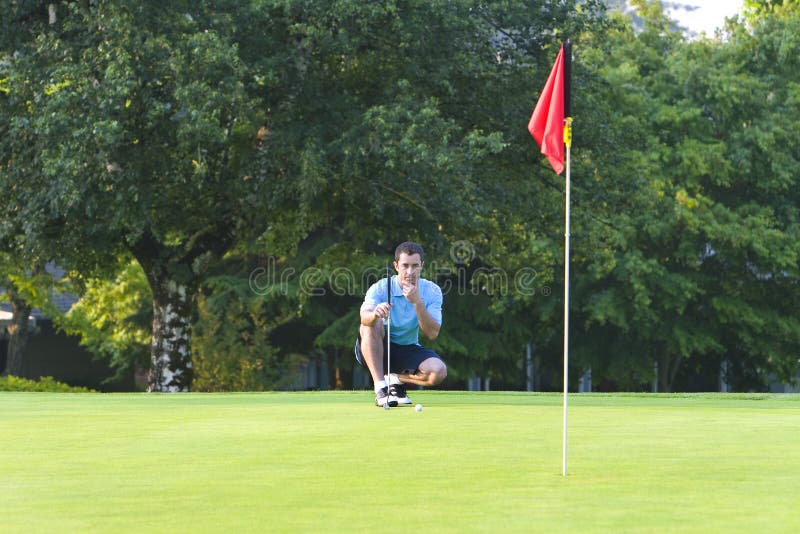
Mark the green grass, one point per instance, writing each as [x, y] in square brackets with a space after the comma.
[470, 462]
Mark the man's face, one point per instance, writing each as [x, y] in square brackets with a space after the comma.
[408, 267]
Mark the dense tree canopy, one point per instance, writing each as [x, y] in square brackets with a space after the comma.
[208, 140]
[704, 267]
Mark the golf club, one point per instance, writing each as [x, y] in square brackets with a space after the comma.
[389, 332]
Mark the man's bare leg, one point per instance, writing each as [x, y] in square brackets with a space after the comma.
[431, 372]
[372, 349]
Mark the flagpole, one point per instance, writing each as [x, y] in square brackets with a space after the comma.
[551, 127]
[568, 143]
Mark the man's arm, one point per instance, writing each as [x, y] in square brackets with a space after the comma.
[373, 309]
[370, 314]
[427, 324]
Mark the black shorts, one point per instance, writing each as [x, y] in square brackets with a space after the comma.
[405, 358]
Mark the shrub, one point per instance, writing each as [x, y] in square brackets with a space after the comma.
[44, 384]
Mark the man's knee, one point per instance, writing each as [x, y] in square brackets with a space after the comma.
[435, 370]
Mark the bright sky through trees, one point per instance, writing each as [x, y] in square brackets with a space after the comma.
[702, 15]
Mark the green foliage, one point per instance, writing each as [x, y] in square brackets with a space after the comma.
[231, 342]
[208, 138]
[113, 318]
[712, 216]
[30, 282]
[45, 384]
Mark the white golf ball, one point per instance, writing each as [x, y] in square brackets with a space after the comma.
[418, 407]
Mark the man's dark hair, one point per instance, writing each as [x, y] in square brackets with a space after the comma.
[410, 248]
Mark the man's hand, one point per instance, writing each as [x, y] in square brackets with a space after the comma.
[369, 314]
[427, 325]
[382, 310]
[411, 291]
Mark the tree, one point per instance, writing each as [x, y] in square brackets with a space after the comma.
[150, 128]
[451, 144]
[113, 317]
[419, 138]
[180, 133]
[26, 285]
[703, 255]
[23, 277]
[759, 253]
[18, 329]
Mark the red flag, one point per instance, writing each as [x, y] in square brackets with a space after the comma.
[547, 121]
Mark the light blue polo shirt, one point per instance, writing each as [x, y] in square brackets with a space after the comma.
[405, 326]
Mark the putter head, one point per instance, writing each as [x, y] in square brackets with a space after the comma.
[386, 406]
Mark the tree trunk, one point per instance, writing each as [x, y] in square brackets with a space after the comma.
[18, 332]
[170, 350]
[174, 274]
[667, 371]
[340, 370]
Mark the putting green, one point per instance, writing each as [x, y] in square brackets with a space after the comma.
[299, 462]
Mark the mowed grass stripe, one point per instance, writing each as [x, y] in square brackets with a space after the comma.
[289, 462]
